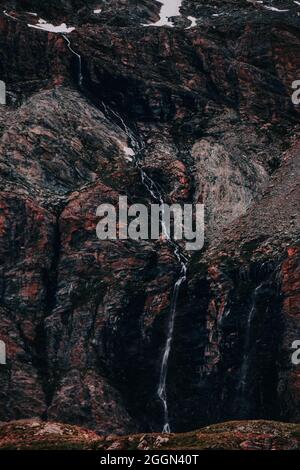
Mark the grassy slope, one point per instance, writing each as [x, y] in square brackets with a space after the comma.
[237, 435]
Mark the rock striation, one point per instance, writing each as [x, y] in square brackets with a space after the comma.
[85, 321]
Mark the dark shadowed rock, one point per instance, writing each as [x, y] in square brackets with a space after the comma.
[85, 320]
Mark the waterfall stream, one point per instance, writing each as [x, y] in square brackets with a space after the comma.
[137, 145]
[162, 386]
[245, 367]
[78, 57]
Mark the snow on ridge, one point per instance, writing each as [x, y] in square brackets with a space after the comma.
[129, 151]
[193, 22]
[274, 9]
[9, 16]
[168, 9]
[44, 26]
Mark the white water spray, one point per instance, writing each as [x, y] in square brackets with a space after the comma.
[138, 147]
[162, 387]
[79, 61]
[244, 373]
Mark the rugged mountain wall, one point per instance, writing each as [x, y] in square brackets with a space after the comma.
[85, 321]
[246, 287]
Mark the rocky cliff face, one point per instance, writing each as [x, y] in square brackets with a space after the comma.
[85, 321]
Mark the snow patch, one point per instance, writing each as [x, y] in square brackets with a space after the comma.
[9, 16]
[274, 9]
[44, 26]
[193, 20]
[169, 8]
[129, 153]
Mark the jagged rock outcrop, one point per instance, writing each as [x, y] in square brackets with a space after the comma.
[243, 300]
[85, 321]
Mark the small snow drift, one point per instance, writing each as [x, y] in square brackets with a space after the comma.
[44, 26]
[169, 8]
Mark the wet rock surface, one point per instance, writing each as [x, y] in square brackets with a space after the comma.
[85, 321]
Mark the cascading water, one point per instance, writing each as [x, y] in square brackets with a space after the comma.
[244, 371]
[245, 363]
[162, 387]
[138, 147]
[78, 56]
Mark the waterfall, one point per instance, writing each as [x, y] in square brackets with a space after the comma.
[245, 363]
[162, 386]
[138, 147]
[78, 57]
[245, 367]
[55, 31]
